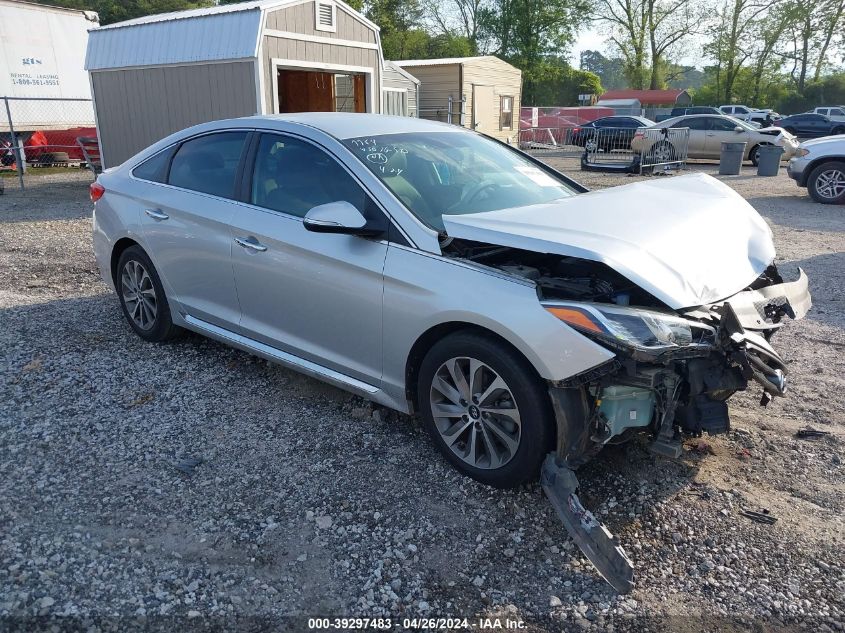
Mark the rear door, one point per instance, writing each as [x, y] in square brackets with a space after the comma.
[185, 225]
[697, 139]
[317, 296]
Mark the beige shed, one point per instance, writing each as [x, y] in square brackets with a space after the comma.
[161, 73]
[482, 93]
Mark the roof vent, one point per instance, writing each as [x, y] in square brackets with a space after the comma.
[324, 16]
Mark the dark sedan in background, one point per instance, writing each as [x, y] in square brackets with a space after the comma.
[609, 133]
[810, 125]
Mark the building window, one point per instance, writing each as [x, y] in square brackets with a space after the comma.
[506, 117]
[325, 14]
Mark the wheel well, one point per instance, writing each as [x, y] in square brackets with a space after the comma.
[121, 245]
[430, 337]
[819, 161]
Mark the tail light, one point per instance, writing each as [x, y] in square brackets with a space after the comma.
[575, 130]
[96, 191]
[639, 135]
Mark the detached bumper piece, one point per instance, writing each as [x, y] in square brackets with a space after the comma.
[598, 544]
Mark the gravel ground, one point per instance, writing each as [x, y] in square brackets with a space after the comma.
[307, 501]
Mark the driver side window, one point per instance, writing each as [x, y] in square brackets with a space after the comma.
[293, 176]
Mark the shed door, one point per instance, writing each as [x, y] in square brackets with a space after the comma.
[483, 109]
[396, 102]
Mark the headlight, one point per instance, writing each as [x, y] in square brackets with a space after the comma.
[643, 329]
[802, 151]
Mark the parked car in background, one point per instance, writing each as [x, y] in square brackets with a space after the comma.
[811, 125]
[750, 115]
[609, 133]
[819, 165]
[688, 110]
[834, 113]
[707, 133]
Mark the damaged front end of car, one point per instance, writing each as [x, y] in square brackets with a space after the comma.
[671, 376]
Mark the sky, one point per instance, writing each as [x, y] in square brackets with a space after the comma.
[591, 40]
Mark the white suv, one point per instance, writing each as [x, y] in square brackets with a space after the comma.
[819, 165]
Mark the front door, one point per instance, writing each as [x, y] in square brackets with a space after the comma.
[722, 131]
[315, 295]
[186, 225]
[483, 114]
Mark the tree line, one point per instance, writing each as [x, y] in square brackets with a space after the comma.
[764, 53]
[772, 53]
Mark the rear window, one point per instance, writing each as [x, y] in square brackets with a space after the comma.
[209, 164]
[154, 169]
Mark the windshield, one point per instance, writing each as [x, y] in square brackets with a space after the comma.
[455, 173]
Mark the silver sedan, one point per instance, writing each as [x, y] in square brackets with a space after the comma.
[436, 271]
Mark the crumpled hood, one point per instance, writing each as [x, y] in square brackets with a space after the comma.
[688, 240]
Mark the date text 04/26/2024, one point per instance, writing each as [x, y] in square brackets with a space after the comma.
[416, 624]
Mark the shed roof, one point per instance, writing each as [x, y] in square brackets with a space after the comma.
[224, 32]
[635, 103]
[647, 97]
[445, 61]
[400, 70]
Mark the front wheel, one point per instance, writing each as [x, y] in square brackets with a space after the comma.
[485, 409]
[826, 183]
[754, 155]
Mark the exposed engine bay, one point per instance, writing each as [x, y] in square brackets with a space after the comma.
[671, 376]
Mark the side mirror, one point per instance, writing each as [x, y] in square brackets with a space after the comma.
[739, 128]
[337, 217]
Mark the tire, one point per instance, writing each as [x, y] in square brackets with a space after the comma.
[826, 183]
[839, 130]
[142, 297]
[508, 448]
[662, 152]
[754, 155]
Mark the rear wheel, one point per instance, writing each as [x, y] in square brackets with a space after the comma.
[485, 409]
[142, 297]
[839, 130]
[826, 183]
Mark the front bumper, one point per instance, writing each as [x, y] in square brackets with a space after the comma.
[796, 169]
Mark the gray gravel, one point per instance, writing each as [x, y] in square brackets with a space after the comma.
[187, 485]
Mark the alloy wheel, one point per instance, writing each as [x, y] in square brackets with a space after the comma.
[139, 295]
[475, 413]
[662, 153]
[830, 183]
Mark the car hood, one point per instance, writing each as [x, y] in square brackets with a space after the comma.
[688, 240]
[836, 139]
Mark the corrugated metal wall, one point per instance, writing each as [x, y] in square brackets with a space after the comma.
[300, 19]
[137, 107]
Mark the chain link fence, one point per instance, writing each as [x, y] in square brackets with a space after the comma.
[37, 133]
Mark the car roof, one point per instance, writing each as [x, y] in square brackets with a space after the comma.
[344, 125]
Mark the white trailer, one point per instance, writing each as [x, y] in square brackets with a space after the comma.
[42, 57]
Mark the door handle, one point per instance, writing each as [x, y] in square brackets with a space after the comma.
[156, 214]
[251, 243]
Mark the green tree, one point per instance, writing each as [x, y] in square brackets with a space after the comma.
[111, 11]
[610, 70]
[531, 33]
